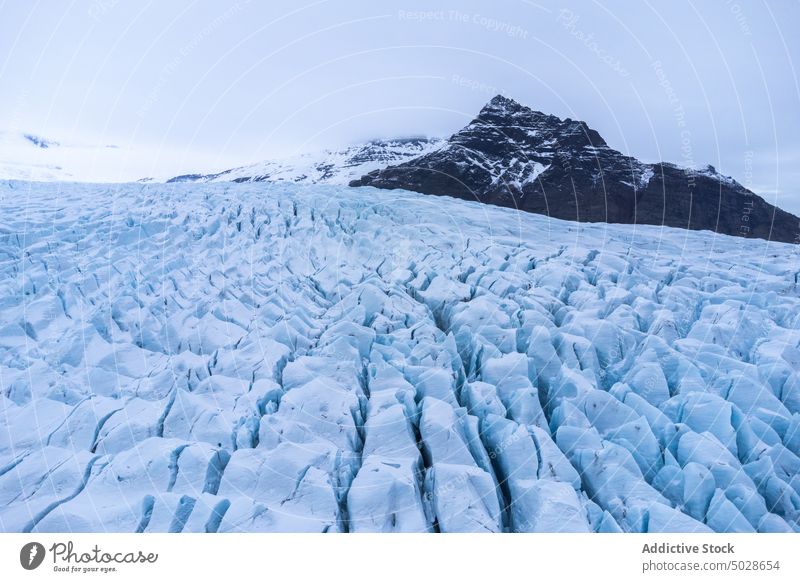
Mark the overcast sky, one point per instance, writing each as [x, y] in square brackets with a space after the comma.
[712, 82]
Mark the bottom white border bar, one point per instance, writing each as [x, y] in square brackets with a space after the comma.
[330, 558]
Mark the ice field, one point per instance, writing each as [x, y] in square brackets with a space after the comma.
[257, 357]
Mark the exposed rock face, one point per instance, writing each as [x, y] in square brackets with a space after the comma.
[513, 156]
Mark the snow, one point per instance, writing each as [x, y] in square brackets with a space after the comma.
[278, 357]
[31, 157]
[646, 176]
[337, 167]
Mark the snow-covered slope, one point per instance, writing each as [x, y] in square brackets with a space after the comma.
[26, 156]
[338, 167]
[31, 157]
[262, 357]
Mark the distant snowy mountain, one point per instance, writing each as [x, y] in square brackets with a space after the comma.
[31, 157]
[338, 167]
[283, 358]
[25, 156]
[513, 156]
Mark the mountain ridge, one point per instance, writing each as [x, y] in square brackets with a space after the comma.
[511, 155]
[337, 167]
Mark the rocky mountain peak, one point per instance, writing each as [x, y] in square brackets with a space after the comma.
[511, 155]
[507, 115]
[501, 103]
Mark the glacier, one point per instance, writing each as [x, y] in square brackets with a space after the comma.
[293, 358]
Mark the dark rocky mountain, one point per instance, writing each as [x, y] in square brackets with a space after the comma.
[513, 156]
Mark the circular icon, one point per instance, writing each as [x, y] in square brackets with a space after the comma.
[31, 555]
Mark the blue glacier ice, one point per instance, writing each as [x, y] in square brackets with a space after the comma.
[266, 357]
